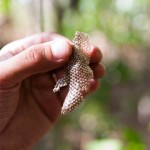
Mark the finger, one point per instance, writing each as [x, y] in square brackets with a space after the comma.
[42, 81]
[95, 55]
[18, 46]
[35, 59]
[98, 70]
[47, 100]
[94, 85]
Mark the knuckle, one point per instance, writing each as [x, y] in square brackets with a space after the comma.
[3, 80]
[34, 54]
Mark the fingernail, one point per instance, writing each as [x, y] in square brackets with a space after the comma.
[60, 49]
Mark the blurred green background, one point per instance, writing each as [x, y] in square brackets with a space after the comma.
[117, 116]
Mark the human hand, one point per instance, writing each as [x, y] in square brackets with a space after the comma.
[28, 106]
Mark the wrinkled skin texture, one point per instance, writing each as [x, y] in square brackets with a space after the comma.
[28, 106]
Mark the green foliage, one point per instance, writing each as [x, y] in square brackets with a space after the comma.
[5, 6]
[110, 117]
[133, 140]
[104, 144]
[120, 25]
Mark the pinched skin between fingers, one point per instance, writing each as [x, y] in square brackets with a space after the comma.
[96, 66]
[35, 59]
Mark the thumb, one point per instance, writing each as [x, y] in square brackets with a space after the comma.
[35, 59]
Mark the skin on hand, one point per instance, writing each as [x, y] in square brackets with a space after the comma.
[28, 106]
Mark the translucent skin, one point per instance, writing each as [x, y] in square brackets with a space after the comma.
[77, 74]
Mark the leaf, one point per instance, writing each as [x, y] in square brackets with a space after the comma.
[104, 144]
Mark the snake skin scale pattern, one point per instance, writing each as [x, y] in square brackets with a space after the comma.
[77, 73]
